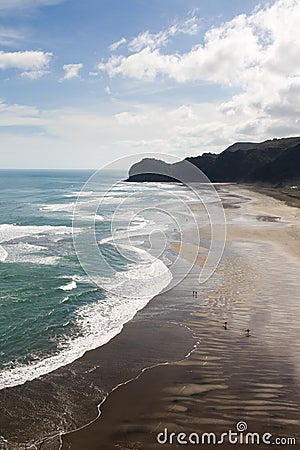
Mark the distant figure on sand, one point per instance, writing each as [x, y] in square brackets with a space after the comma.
[247, 332]
[195, 293]
[225, 325]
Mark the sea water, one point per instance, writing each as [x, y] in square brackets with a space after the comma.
[51, 311]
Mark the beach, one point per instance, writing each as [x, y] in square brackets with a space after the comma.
[149, 225]
[175, 366]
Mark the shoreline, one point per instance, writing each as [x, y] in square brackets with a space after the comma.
[77, 389]
[84, 384]
[134, 429]
[161, 342]
[284, 194]
[120, 385]
[284, 221]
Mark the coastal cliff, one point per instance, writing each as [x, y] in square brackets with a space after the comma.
[275, 162]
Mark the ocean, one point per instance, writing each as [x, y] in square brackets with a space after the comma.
[58, 298]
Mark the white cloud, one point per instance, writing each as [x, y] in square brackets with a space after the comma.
[156, 40]
[33, 63]
[267, 40]
[107, 90]
[226, 53]
[34, 74]
[71, 71]
[189, 26]
[19, 115]
[149, 40]
[188, 129]
[117, 44]
[257, 54]
[142, 127]
[10, 36]
[12, 5]
[144, 65]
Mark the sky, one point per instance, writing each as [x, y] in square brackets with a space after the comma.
[84, 83]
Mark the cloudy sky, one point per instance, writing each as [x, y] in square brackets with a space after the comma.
[86, 82]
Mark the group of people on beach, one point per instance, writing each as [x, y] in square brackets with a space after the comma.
[226, 328]
[195, 295]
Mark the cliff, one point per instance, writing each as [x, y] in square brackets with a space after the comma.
[275, 161]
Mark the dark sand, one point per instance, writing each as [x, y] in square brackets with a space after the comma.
[68, 397]
[228, 377]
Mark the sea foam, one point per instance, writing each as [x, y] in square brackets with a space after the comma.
[15, 248]
[99, 322]
[69, 287]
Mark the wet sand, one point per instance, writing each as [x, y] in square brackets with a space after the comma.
[230, 377]
[68, 397]
[285, 233]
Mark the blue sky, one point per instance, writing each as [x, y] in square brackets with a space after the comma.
[83, 83]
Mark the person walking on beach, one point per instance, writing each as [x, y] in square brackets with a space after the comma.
[225, 326]
[247, 332]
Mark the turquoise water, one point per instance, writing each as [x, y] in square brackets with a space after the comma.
[35, 313]
[77, 261]
[50, 311]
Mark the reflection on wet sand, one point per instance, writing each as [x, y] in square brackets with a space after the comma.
[232, 375]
